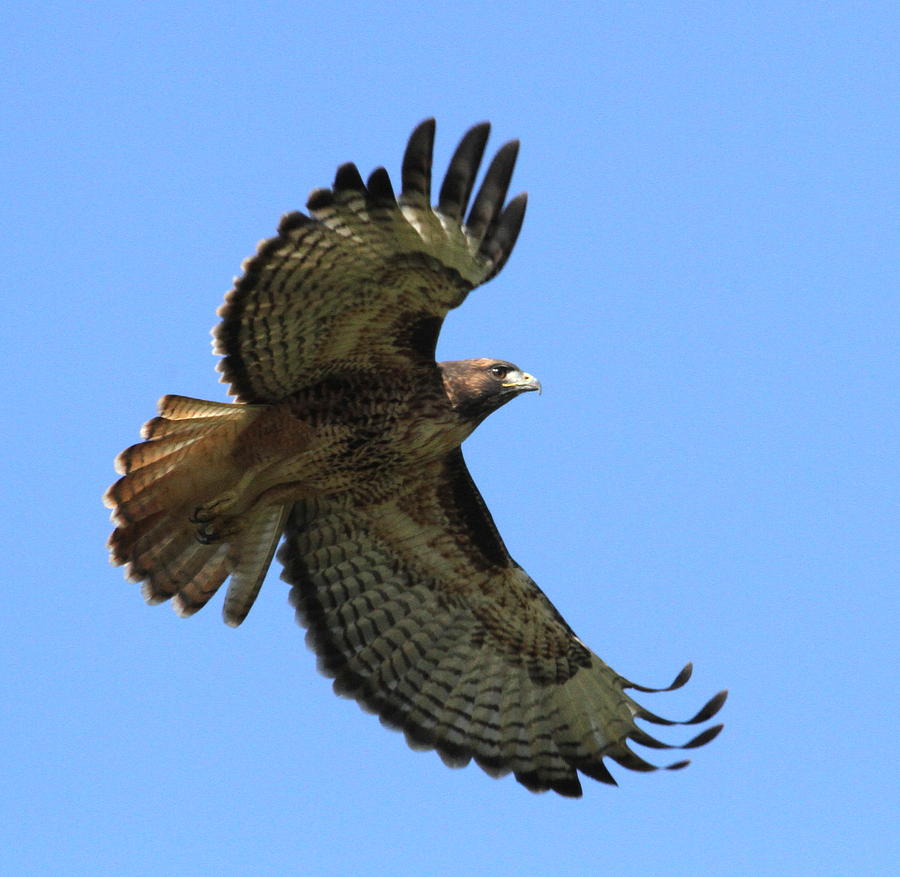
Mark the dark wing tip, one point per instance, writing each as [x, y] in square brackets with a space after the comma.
[709, 709]
[492, 193]
[493, 227]
[292, 221]
[703, 737]
[498, 245]
[642, 737]
[425, 129]
[682, 678]
[416, 168]
[568, 785]
[638, 735]
[597, 770]
[348, 178]
[678, 682]
[461, 172]
[319, 198]
[381, 192]
[624, 756]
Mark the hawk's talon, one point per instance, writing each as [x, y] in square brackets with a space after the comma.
[209, 511]
[207, 534]
[200, 515]
[217, 529]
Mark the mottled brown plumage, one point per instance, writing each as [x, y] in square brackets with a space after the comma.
[345, 437]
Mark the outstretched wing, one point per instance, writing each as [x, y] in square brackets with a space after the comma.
[417, 610]
[367, 277]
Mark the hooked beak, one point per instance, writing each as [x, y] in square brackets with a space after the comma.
[522, 382]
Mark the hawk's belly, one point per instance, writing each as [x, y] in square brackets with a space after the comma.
[361, 440]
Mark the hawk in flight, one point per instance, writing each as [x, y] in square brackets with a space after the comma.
[344, 439]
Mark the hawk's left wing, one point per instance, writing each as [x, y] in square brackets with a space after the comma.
[367, 278]
[417, 610]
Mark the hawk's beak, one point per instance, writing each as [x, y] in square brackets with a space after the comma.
[522, 382]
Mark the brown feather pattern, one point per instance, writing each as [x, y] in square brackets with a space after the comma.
[348, 282]
[465, 655]
[351, 448]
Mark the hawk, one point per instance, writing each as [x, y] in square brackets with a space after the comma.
[344, 438]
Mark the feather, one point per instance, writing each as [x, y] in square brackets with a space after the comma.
[252, 556]
[492, 194]
[416, 171]
[461, 173]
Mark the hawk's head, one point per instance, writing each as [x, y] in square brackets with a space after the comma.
[476, 387]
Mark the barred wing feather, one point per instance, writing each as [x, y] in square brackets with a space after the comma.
[367, 277]
[416, 610]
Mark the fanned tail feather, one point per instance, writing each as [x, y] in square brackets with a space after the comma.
[254, 553]
[183, 461]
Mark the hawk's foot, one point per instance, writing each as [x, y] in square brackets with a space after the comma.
[217, 529]
[215, 508]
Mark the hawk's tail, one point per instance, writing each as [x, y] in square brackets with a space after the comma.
[184, 461]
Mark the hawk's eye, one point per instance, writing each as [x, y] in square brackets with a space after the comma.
[499, 371]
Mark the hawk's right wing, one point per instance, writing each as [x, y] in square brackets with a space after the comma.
[416, 609]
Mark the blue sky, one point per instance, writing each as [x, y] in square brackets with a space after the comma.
[706, 285]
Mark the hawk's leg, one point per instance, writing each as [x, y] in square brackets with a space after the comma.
[218, 520]
[218, 530]
[229, 503]
[216, 508]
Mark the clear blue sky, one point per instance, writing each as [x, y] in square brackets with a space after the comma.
[706, 285]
